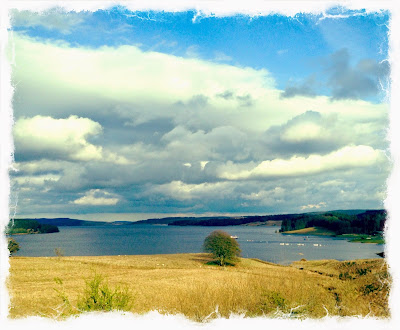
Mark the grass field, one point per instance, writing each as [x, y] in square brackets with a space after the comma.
[190, 285]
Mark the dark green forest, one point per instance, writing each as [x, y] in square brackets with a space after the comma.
[368, 222]
[28, 226]
[230, 221]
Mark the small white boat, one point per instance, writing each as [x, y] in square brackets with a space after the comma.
[281, 243]
[315, 244]
[234, 237]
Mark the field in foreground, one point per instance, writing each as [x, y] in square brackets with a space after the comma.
[189, 284]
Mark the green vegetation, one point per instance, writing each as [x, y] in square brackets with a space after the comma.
[223, 248]
[367, 223]
[13, 245]
[97, 296]
[25, 226]
[360, 238]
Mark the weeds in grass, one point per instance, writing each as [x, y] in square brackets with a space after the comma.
[66, 307]
[99, 296]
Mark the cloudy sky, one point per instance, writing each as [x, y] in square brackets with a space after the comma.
[129, 115]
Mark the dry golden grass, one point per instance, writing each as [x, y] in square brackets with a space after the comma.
[312, 231]
[185, 283]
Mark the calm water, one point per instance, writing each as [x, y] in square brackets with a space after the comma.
[256, 242]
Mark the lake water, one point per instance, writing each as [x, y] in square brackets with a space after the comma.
[256, 242]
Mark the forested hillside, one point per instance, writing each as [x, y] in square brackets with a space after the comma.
[368, 222]
[27, 226]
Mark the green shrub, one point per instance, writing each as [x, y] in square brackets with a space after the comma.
[13, 246]
[273, 300]
[98, 296]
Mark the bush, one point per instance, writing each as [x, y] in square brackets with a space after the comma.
[13, 246]
[223, 248]
[98, 296]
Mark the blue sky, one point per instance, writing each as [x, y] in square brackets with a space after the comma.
[120, 112]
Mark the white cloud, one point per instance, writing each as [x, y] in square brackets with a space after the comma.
[313, 206]
[302, 132]
[151, 85]
[184, 191]
[36, 180]
[64, 137]
[212, 113]
[267, 197]
[92, 198]
[203, 164]
[347, 157]
[43, 165]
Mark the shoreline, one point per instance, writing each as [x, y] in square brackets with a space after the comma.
[177, 255]
[352, 238]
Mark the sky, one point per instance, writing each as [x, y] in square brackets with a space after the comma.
[122, 115]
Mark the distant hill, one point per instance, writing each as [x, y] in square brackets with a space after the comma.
[192, 221]
[62, 222]
[169, 220]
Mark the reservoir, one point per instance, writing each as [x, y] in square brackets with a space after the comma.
[262, 242]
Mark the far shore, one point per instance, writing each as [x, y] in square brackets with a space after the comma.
[355, 238]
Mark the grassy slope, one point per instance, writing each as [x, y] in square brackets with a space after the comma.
[185, 283]
[311, 231]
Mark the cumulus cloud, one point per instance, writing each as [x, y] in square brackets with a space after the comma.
[347, 157]
[42, 136]
[65, 138]
[97, 197]
[267, 197]
[182, 191]
[313, 206]
[357, 82]
[159, 131]
[140, 87]
[346, 82]
[321, 132]
[143, 79]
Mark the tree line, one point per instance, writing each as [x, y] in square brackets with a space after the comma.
[230, 221]
[368, 222]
